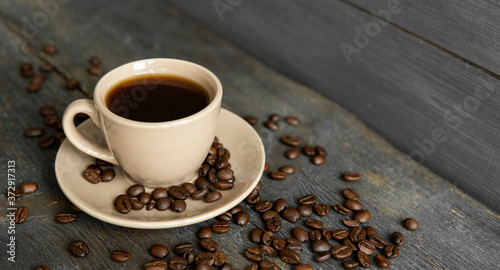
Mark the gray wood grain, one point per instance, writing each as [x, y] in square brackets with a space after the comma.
[392, 187]
[404, 88]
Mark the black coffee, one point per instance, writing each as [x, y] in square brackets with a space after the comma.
[156, 98]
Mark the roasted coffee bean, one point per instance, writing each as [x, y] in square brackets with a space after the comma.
[292, 154]
[305, 210]
[200, 194]
[72, 84]
[50, 119]
[33, 132]
[339, 234]
[341, 252]
[308, 199]
[318, 160]
[292, 120]
[49, 49]
[226, 216]
[256, 235]
[95, 167]
[235, 210]
[162, 204]
[350, 193]
[348, 243]
[91, 175]
[351, 176]
[211, 175]
[290, 140]
[178, 192]
[74, 207]
[321, 246]
[391, 251]
[341, 209]
[120, 256]
[267, 238]
[21, 214]
[209, 244]
[136, 204]
[291, 240]
[225, 174]
[65, 218]
[253, 197]
[370, 231]
[300, 234]
[397, 238]
[321, 209]
[34, 87]
[221, 227]
[79, 249]
[295, 247]
[320, 150]
[97, 71]
[288, 169]
[357, 234]
[178, 206]
[269, 251]
[144, 198]
[322, 257]
[278, 243]
[29, 187]
[303, 267]
[97, 161]
[253, 266]
[136, 190]
[47, 141]
[211, 159]
[251, 119]
[203, 171]
[95, 61]
[123, 204]
[150, 206]
[350, 264]
[156, 265]
[43, 267]
[212, 196]
[277, 175]
[382, 261]
[108, 175]
[259, 185]
[48, 110]
[273, 224]
[189, 256]
[263, 206]
[309, 150]
[275, 117]
[377, 241]
[265, 264]
[159, 193]
[222, 162]
[219, 258]
[363, 216]
[326, 234]
[25, 68]
[290, 256]
[159, 251]
[266, 167]
[353, 205]
[409, 224]
[227, 266]
[269, 214]
[366, 246]
[315, 235]
[363, 259]
[279, 205]
[314, 224]
[204, 232]
[177, 263]
[182, 248]
[18, 193]
[191, 188]
[254, 254]
[241, 218]
[204, 257]
[290, 214]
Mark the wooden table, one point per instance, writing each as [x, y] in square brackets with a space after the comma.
[456, 232]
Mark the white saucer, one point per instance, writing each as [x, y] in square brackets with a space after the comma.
[247, 161]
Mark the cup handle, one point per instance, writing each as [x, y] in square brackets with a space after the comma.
[87, 107]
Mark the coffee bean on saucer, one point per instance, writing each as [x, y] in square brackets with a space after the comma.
[363, 216]
[33, 132]
[144, 198]
[159, 193]
[305, 210]
[321, 209]
[120, 256]
[350, 193]
[178, 206]
[318, 160]
[49, 49]
[277, 175]
[136, 204]
[221, 227]
[288, 169]
[29, 187]
[254, 254]
[136, 190]
[351, 176]
[21, 214]
[241, 218]
[290, 214]
[200, 194]
[212, 196]
[100, 162]
[65, 218]
[158, 251]
[95, 167]
[201, 182]
[92, 176]
[292, 120]
[251, 119]
[123, 204]
[397, 238]
[178, 192]
[191, 188]
[272, 125]
[79, 249]
[391, 251]
[163, 203]
[156, 265]
[150, 206]
[408, 223]
[292, 154]
[108, 175]
[290, 140]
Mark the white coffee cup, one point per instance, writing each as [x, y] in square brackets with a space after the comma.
[154, 154]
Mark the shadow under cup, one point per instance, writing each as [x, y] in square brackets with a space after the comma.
[159, 154]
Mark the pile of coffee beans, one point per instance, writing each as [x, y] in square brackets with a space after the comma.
[215, 174]
[94, 173]
[50, 119]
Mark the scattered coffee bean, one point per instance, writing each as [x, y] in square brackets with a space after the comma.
[409, 224]
[275, 117]
[353, 205]
[178, 206]
[254, 254]
[204, 232]
[327, 234]
[278, 243]
[295, 247]
[303, 267]
[33, 132]
[254, 197]
[29, 187]
[219, 258]
[189, 256]
[377, 240]
[290, 256]
[290, 214]
[315, 235]
[205, 257]
[156, 265]
[65, 218]
[292, 120]
[256, 235]
[305, 210]
[279, 205]
[21, 214]
[273, 224]
[272, 125]
[269, 251]
[357, 234]
[259, 185]
[50, 119]
[26, 70]
[43, 267]
[290, 140]
[350, 264]
[159, 251]
[321, 209]
[184, 248]
[341, 252]
[363, 216]
[363, 259]
[321, 246]
[97, 71]
[267, 238]
[18, 193]
[47, 141]
[108, 175]
[226, 216]
[263, 206]
[382, 261]
[74, 207]
[322, 257]
[277, 175]
[79, 249]
[370, 231]
[348, 243]
[241, 218]
[320, 150]
[391, 251]
[209, 244]
[300, 234]
[308, 199]
[288, 169]
[309, 150]
[49, 49]
[265, 264]
[95, 61]
[318, 160]
[292, 154]
[350, 193]
[48, 110]
[339, 234]
[266, 167]
[366, 246]
[72, 84]
[341, 209]
[251, 119]
[314, 224]
[221, 227]
[120, 256]
[397, 238]
[227, 266]
[269, 214]
[351, 176]
[162, 204]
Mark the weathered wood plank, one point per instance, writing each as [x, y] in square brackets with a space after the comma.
[404, 88]
[392, 187]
